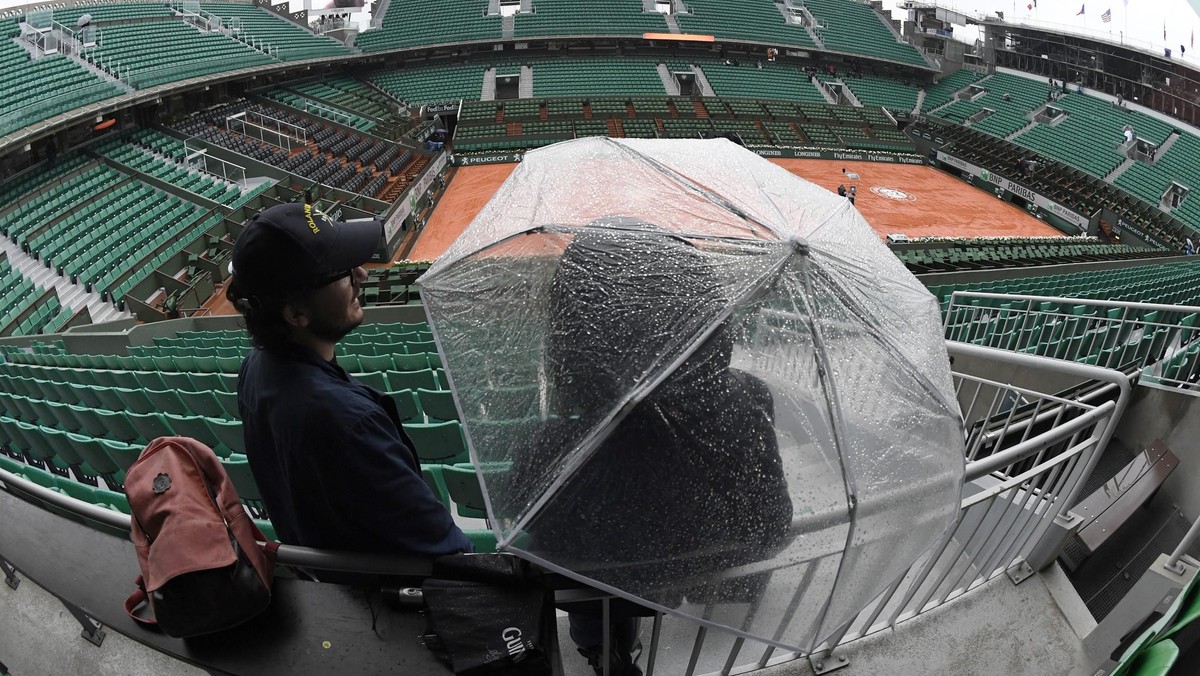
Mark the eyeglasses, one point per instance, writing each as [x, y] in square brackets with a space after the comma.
[336, 278]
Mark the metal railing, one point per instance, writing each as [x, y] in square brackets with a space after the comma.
[321, 110]
[196, 157]
[1173, 563]
[267, 129]
[1159, 341]
[1028, 455]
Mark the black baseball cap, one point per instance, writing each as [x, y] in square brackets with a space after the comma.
[293, 248]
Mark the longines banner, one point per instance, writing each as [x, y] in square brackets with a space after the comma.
[413, 197]
[791, 152]
[1050, 206]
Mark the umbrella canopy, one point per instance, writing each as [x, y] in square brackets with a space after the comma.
[694, 380]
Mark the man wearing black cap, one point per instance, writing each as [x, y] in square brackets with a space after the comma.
[329, 454]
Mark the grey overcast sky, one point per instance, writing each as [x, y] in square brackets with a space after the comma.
[1137, 22]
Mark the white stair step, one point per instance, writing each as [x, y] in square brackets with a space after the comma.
[74, 296]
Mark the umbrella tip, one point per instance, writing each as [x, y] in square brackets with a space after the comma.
[799, 245]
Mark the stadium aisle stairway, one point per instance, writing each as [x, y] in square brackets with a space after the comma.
[292, 41]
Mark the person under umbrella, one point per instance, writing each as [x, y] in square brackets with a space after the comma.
[705, 434]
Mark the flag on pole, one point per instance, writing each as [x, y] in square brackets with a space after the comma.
[1081, 9]
[1106, 16]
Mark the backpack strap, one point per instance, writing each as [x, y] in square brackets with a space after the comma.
[139, 598]
[270, 547]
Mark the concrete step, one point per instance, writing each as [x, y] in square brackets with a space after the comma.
[74, 296]
[1020, 131]
[668, 80]
[1120, 169]
[702, 81]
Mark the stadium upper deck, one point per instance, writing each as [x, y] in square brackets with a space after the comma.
[131, 47]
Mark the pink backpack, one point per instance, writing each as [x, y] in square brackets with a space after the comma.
[203, 569]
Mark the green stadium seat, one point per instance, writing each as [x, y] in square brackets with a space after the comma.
[122, 454]
[195, 427]
[238, 468]
[463, 486]
[75, 489]
[228, 401]
[228, 434]
[438, 405]
[267, 529]
[89, 396]
[411, 362]
[376, 363]
[438, 443]
[17, 467]
[412, 380]
[203, 403]
[96, 457]
[208, 381]
[407, 406]
[64, 416]
[150, 426]
[374, 380]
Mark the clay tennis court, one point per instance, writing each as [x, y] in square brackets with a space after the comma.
[916, 201]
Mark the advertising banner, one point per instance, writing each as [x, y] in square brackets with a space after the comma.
[1012, 187]
[412, 197]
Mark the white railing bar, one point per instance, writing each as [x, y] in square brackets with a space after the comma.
[979, 468]
[1131, 305]
[1028, 504]
[995, 405]
[1013, 482]
[1174, 564]
[1068, 471]
[697, 645]
[1069, 368]
[883, 599]
[957, 553]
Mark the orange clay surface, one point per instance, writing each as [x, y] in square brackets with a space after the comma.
[916, 201]
[469, 190]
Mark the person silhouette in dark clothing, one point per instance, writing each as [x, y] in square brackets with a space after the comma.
[700, 445]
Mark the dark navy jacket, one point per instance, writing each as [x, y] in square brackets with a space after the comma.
[333, 463]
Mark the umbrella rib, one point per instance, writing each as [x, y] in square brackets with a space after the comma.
[835, 409]
[689, 184]
[583, 451]
[421, 281]
[888, 340]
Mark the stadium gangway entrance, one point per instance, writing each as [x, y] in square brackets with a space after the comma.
[1158, 341]
[1014, 520]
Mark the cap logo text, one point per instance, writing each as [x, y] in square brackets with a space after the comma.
[308, 216]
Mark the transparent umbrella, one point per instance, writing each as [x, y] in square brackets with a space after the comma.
[694, 380]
